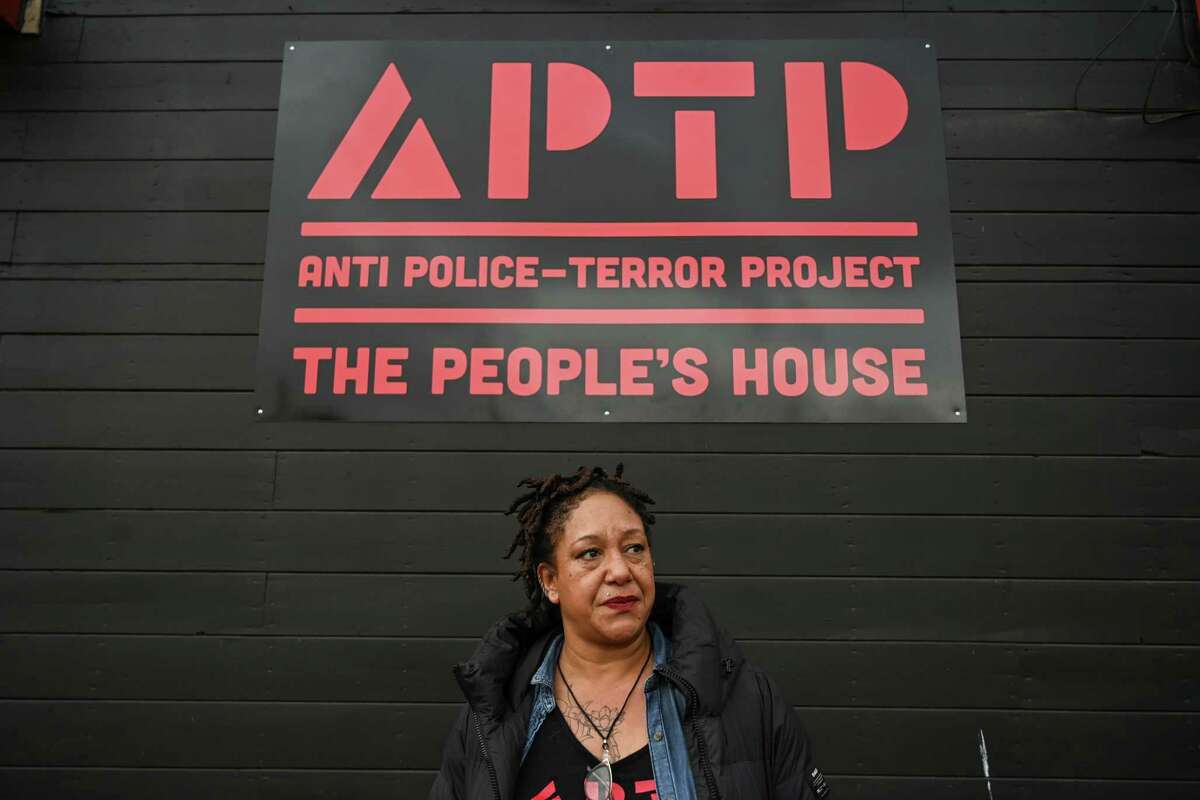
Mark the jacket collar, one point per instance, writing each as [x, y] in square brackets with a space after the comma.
[497, 676]
[702, 653]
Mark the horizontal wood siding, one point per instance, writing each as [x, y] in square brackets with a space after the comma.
[195, 605]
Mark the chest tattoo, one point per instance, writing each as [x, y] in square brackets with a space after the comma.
[603, 717]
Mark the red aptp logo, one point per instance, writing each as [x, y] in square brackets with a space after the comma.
[578, 108]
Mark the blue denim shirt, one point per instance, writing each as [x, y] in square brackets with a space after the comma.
[664, 726]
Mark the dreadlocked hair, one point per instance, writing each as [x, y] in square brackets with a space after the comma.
[542, 513]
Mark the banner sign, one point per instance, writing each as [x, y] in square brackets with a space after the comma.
[610, 231]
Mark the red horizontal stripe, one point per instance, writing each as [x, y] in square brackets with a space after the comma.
[608, 229]
[693, 79]
[612, 316]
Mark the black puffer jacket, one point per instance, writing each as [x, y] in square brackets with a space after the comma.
[744, 742]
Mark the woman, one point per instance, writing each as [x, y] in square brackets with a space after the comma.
[553, 711]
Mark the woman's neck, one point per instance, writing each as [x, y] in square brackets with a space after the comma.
[604, 664]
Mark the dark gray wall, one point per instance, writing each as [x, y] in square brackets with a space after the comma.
[194, 606]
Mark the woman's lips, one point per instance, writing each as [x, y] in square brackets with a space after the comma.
[621, 603]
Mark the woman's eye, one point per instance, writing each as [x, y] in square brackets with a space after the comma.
[636, 548]
[591, 552]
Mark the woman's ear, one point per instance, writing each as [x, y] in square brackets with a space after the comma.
[549, 581]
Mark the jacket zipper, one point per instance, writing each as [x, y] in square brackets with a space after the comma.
[693, 702]
[486, 757]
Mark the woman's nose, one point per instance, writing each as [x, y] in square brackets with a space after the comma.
[618, 570]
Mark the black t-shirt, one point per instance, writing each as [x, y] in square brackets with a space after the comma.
[557, 762]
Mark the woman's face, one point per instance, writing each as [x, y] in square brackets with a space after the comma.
[602, 577]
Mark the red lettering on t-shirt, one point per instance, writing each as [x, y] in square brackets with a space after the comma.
[642, 787]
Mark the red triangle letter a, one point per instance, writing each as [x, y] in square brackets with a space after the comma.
[418, 170]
